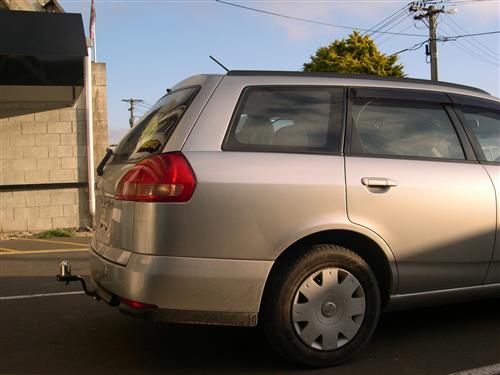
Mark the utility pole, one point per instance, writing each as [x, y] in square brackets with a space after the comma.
[132, 103]
[429, 15]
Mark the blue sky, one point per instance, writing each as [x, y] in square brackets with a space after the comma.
[150, 45]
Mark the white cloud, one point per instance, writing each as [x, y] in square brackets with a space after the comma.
[356, 13]
[481, 14]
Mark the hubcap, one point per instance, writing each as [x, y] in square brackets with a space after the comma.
[328, 308]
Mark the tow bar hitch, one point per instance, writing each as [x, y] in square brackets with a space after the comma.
[66, 277]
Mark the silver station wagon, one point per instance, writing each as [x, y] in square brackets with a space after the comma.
[303, 203]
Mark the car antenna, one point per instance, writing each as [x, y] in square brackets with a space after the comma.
[218, 63]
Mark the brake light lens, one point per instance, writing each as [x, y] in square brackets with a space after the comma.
[137, 305]
[161, 178]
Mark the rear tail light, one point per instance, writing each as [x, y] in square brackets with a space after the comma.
[137, 305]
[161, 178]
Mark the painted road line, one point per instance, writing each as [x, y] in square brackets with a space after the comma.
[7, 250]
[60, 242]
[21, 252]
[41, 295]
[486, 370]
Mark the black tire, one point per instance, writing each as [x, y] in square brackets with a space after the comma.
[284, 282]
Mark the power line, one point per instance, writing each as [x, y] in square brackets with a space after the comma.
[392, 27]
[459, 2]
[392, 36]
[347, 27]
[470, 35]
[313, 21]
[429, 14]
[464, 48]
[412, 48]
[132, 102]
[486, 48]
[469, 51]
[387, 18]
[485, 53]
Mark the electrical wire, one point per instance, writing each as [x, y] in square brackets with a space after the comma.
[477, 53]
[392, 36]
[350, 27]
[380, 24]
[388, 26]
[459, 2]
[143, 106]
[392, 27]
[452, 37]
[486, 49]
[462, 46]
[312, 21]
[412, 48]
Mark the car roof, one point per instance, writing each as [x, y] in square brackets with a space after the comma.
[373, 80]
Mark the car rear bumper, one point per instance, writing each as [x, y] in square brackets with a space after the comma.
[187, 290]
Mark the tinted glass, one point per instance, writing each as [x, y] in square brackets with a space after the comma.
[152, 133]
[485, 124]
[287, 119]
[391, 128]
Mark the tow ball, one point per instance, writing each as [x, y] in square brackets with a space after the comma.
[66, 277]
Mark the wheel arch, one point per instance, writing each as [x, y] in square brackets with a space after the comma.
[363, 242]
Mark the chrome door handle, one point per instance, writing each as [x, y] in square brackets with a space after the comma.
[380, 182]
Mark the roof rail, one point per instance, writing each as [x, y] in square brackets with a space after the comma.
[350, 76]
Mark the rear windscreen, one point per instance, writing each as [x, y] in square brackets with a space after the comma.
[152, 133]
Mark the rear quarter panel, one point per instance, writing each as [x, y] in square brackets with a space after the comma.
[246, 205]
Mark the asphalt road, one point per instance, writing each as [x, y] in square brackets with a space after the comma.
[72, 334]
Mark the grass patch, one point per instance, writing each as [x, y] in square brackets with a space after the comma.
[56, 233]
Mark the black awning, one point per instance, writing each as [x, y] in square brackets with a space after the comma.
[41, 49]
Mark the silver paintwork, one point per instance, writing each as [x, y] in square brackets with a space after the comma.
[443, 297]
[494, 270]
[328, 308]
[434, 221]
[185, 283]
[113, 254]
[439, 220]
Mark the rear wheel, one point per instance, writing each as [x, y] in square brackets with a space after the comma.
[321, 308]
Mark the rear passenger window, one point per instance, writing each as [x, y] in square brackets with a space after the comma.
[485, 124]
[287, 119]
[391, 128]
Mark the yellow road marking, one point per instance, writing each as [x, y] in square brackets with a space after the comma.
[7, 250]
[62, 242]
[18, 252]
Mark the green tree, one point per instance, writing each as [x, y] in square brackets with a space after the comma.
[356, 54]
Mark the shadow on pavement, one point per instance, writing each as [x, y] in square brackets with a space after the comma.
[72, 334]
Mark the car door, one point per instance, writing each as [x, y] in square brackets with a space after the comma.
[481, 119]
[411, 177]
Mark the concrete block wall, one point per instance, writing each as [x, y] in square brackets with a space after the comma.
[31, 5]
[47, 146]
[100, 110]
[38, 210]
[41, 145]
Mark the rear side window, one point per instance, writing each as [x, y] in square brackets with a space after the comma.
[152, 133]
[287, 119]
[396, 128]
[485, 124]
